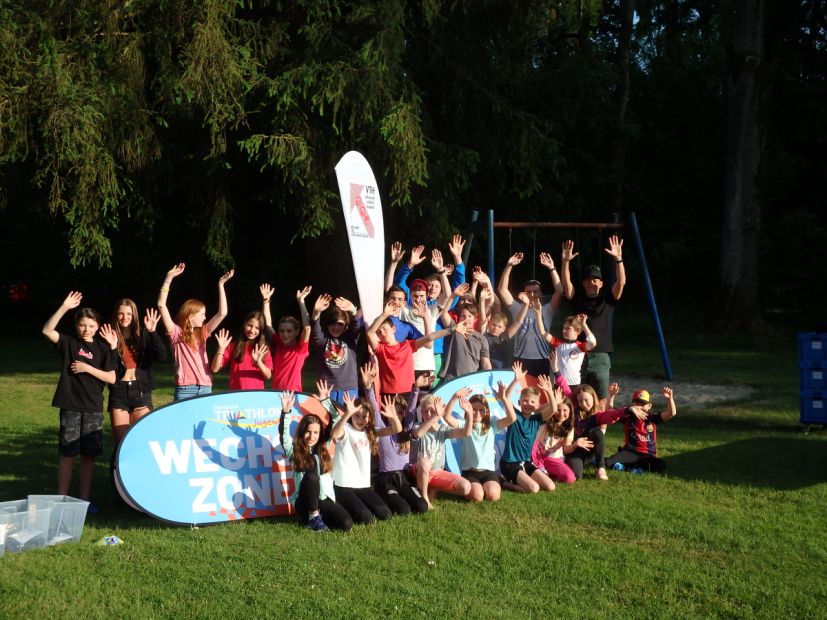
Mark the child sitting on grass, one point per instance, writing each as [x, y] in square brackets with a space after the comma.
[639, 450]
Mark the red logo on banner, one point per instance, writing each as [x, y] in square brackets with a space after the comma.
[357, 202]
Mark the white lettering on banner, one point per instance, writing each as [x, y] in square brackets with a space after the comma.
[221, 486]
[171, 455]
[203, 464]
[198, 504]
[259, 490]
[263, 449]
[227, 461]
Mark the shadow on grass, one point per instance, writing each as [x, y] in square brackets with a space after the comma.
[781, 463]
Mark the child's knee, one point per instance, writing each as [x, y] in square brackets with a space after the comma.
[476, 494]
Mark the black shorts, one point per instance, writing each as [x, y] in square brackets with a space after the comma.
[80, 433]
[480, 476]
[510, 470]
[127, 395]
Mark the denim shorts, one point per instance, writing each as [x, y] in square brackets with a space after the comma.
[182, 392]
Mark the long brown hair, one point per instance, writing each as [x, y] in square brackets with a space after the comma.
[403, 439]
[584, 415]
[304, 457]
[370, 429]
[192, 336]
[561, 429]
[131, 336]
[486, 417]
[241, 345]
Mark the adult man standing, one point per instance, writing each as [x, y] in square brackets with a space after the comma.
[598, 303]
[530, 347]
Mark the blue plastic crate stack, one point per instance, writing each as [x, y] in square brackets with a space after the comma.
[812, 364]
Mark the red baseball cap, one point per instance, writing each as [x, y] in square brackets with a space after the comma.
[419, 285]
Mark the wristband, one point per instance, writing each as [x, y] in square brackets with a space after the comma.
[619, 261]
[553, 269]
[164, 289]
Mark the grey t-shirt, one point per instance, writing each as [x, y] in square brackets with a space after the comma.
[462, 355]
[529, 344]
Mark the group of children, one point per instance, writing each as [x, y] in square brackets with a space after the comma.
[430, 330]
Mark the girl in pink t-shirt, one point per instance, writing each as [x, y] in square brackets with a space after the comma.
[188, 334]
[251, 364]
[290, 341]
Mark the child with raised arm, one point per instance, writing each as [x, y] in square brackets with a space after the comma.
[554, 437]
[251, 364]
[467, 350]
[640, 448]
[290, 341]
[308, 451]
[88, 364]
[394, 450]
[188, 334]
[427, 466]
[516, 465]
[477, 453]
[570, 351]
[356, 441]
[396, 369]
[499, 334]
[335, 333]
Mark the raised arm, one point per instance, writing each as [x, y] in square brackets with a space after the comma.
[156, 347]
[339, 427]
[219, 316]
[615, 250]
[439, 265]
[397, 252]
[431, 422]
[565, 268]
[301, 297]
[50, 326]
[671, 407]
[262, 359]
[370, 334]
[521, 315]
[455, 247]
[466, 430]
[287, 401]
[505, 278]
[223, 339]
[266, 294]
[591, 341]
[504, 396]
[166, 317]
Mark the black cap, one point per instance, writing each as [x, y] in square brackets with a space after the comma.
[593, 271]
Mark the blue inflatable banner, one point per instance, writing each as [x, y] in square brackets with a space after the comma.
[211, 459]
[485, 383]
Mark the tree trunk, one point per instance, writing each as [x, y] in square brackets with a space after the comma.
[745, 144]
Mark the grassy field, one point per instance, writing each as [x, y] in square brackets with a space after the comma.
[736, 529]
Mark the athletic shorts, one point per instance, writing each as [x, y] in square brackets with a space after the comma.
[127, 395]
[481, 476]
[596, 369]
[439, 479]
[80, 433]
[511, 470]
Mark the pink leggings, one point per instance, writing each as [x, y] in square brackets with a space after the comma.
[556, 469]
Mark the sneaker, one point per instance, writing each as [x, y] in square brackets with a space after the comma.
[618, 467]
[601, 474]
[636, 470]
[316, 524]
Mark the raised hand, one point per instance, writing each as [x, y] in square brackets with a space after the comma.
[639, 412]
[345, 305]
[258, 353]
[417, 255]
[553, 362]
[546, 260]
[439, 406]
[456, 246]
[568, 251]
[323, 389]
[288, 399]
[227, 275]
[368, 371]
[615, 248]
[350, 406]
[302, 293]
[519, 371]
[515, 259]
[322, 303]
[419, 308]
[425, 379]
[462, 329]
[667, 393]
[390, 308]
[524, 299]
[614, 389]
[266, 292]
[465, 405]
[388, 406]
[582, 318]
[176, 271]
[464, 392]
[109, 335]
[545, 384]
[436, 259]
[397, 252]
[462, 289]
[151, 319]
[501, 388]
[72, 300]
[223, 338]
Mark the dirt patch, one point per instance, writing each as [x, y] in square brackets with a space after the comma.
[685, 391]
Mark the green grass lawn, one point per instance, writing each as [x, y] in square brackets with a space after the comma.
[736, 529]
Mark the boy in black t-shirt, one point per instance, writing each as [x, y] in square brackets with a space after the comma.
[88, 363]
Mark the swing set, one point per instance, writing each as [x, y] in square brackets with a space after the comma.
[577, 226]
